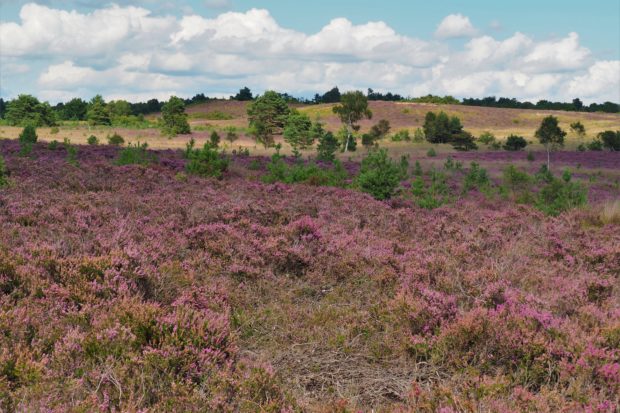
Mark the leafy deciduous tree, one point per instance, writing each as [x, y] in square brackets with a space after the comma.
[353, 107]
[174, 117]
[550, 135]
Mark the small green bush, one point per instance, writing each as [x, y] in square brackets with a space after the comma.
[486, 138]
[434, 195]
[417, 169]
[379, 175]
[401, 135]
[92, 140]
[53, 145]
[530, 156]
[595, 145]
[28, 135]
[418, 135]
[515, 143]
[4, 181]
[137, 154]
[560, 195]
[71, 153]
[214, 139]
[431, 153]
[115, 139]
[610, 139]
[279, 171]
[476, 178]
[54, 130]
[206, 162]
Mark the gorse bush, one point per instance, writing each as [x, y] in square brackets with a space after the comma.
[379, 175]
[206, 162]
[135, 154]
[115, 139]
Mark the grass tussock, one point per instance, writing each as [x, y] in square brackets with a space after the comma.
[610, 212]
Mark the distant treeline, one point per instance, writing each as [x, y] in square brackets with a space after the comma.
[576, 105]
[77, 109]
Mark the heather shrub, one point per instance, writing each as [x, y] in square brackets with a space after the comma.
[515, 143]
[115, 139]
[379, 175]
[92, 140]
[135, 154]
[206, 162]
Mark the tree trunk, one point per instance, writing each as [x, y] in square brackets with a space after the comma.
[548, 159]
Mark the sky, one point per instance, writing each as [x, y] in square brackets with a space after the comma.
[140, 49]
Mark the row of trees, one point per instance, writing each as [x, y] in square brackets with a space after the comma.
[511, 103]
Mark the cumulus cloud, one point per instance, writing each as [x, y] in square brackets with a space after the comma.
[127, 51]
[455, 25]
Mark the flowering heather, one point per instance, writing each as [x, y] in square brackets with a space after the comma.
[123, 288]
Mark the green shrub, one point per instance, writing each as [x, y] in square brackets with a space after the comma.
[207, 162]
[92, 140]
[327, 147]
[418, 135]
[431, 153]
[71, 152]
[137, 154]
[28, 135]
[530, 156]
[544, 174]
[417, 169]
[486, 138]
[115, 139]
[54, 130]
[254, 165]
[434, 195]
[595, 145]
[53, 145]
[496, 145]
[4, 181]
[476, 178]
[560, 195]
[379, 175]
[610, 140]
[515, 143]
[231, 134]
[279, 171]
[214, 139]
[401, 135]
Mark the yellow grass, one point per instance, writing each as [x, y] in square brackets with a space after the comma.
[610, 212]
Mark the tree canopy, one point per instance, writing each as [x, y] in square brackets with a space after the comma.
[174, 118]
[267, 116]
[27, 110]
[353, 107]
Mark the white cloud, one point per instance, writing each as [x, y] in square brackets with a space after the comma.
[455, 25]
[128, 52]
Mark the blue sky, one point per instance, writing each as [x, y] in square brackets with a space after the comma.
[526, 49]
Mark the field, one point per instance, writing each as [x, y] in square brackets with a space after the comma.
[142, 288]
[219, 114]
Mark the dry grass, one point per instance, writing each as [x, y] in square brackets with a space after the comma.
[610, 212]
